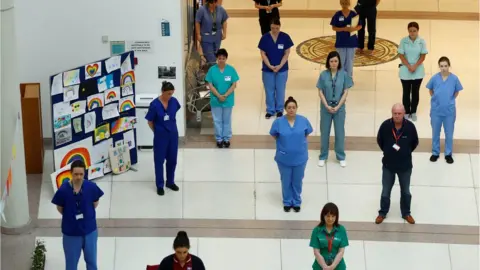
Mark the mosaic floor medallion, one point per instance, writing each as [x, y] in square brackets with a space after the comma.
[316, 50]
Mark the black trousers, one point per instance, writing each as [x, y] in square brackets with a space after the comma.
[265, 25]
[411, 95]
[368, 17]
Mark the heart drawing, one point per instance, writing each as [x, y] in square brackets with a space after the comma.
[92, 69]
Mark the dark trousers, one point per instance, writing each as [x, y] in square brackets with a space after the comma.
[411, 95]
[388, 180]
[368, 17]
[265, 25]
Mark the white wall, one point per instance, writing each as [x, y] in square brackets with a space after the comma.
[56, 35]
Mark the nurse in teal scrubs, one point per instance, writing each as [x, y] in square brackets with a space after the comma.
[412, 51]
[333, 85]
[444, 88]
[222, 80]
[291, 132]
[329, 240]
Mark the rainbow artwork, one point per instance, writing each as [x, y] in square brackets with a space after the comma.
[95, 101]
[128, 78]
[112, 95]
[117, 125]
[63, 177]
[93, 70]
[126, 104]
[80, 153]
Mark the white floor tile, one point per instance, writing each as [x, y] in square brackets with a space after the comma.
[261, 253]
[210, 200]
[269, 204]
[360, 203]
[137, 252]
[400, 256]
[56, 259]
[140, 200]
[364, 167]
[439, 205]
[464, 257]
[266, 169]
[219, 165]
[475, 163]
[427, 173]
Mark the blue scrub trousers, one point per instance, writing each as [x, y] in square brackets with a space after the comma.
[73, 246]
[448, 123]
[165, 147]
[210, 48]
[275, 84]
[292, 181]
[338, 120]
[347, 56]
[222, 122]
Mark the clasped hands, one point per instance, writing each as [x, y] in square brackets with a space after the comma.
[333, 110]
[412, 68]
[222, 98]
[275, 68]
[352, 29]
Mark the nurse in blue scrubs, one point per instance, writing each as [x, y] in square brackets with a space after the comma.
[345, 43]
[333, 85]
[444, 88]
[222, 80]
[161, 117]
[211, 28]
[291, 132]
[274, 50]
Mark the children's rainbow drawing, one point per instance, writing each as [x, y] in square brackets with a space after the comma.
[117, 126]
[80, 153]
[91, 70]
[95, 103]
[128, 78]
[111, 95]
[102, 132]
[63, 177]
[126, 104]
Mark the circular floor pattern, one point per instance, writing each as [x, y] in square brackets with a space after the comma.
[316, 50]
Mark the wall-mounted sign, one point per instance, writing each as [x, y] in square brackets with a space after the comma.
[165, 28]
[117, 47]
[140, 46]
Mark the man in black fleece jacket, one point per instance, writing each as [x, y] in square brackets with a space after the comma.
[397, 138]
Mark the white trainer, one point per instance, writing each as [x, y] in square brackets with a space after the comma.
[343, 163]
[321, 163]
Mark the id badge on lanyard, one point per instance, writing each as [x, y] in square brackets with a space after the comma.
[395, 145]
[329, 260]
[214, 22]
[78, 204]
[268, 4]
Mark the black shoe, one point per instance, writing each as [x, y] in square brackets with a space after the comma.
[220, 144]
[267, 116]
[296, 209]
[449, 159]
[279, 114]
[173, 187]
[160, 191]
[287, 208]
[434, 158]
[226, 144]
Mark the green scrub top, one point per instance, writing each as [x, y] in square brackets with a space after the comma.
[412, 50]
[222, 81]
[319, 241]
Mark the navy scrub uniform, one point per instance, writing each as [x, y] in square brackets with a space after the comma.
[165, 141]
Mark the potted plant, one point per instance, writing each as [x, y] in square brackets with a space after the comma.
[38, 257]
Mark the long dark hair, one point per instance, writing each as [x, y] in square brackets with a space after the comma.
[332, 209]
[181, 241]
[331, 55]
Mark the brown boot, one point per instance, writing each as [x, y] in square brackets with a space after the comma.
[409, 219]
[379, 219]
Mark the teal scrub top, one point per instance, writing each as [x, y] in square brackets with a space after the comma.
[412, 50]
[222, 81]
[333, 88]
[319, 241]
[443, 102]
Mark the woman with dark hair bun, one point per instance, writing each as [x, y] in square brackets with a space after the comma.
[181, 259]
[329, 240]
[290, 132]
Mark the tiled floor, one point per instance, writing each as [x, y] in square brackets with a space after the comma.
[376, 88]
[244, 184]
[127, 253]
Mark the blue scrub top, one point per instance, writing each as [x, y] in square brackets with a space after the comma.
[412, 50]
[344, 39]
[333, 88]
[75, 204]
[205, 18]
[222, 81]
[292, 144]
[163, 126]
[275, 50]
[442, 102]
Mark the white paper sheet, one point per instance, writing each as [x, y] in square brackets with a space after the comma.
[127, 90]
[62, 122]
[113, 63]
[100, 150]
[70, 93]
[110, 111]
[71, 77]
[90, 120]
[105, 82]
[95, 101]
[75, 151]
[61, 108]
[95, 171]
[126, 104]
[77, 125]
[112, 95]
[93, 70]
[63, 136]
[78, 108]
[126, 65]
[355, 21]
[107, 168]
[129, 139]
[57, 85]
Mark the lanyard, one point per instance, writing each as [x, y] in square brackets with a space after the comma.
[334, 83]
[395, 135]
[330, 241]
[214, 15]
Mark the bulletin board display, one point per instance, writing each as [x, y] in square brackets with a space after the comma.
[93, 110]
